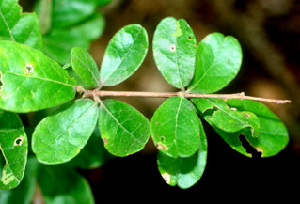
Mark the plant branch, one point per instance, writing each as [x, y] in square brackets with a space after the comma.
[101, 93]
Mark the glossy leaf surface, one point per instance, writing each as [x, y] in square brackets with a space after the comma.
[17, 26]
[174, 51]
[123, 129]
[59, 138]
[175, 128]
[13, 146]
[30, 80]
[124, 54]
[184, 172]
[218, 61]
[85, 66]
[60, 184]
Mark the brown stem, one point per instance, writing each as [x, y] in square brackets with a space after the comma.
[101, 93]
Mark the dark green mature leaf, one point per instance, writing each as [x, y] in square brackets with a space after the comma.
[123, 129]
[85, 66]
[218, 61]
[17, 26]
[174, 51]
[273, 136]
[184, 172]
[30, 80]
[59, 138]
[227, 119]
[60, 184]
[13, 145]
[25, 191]
[124, 54]
[59, 42]
[175, 128]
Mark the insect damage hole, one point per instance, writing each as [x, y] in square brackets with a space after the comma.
[29, 68]
[255, 154]
[19, 141]
[172, 48]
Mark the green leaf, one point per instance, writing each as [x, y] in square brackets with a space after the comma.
[123, 129]
[184, 172]
[218, 61]
[175, 128]
[227, 119]
[93, 155]
[59, 138]
[273, 136]
[59, 42]
[60, 184]
[174, 51]
[25, 191]
[70, 12]
[124, 54]
[30, 80]
[85, 66]
[17, 26]
[13, 145]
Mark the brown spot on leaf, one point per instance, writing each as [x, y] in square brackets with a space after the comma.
[105, 141]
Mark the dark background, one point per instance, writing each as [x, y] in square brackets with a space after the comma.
[269, 32]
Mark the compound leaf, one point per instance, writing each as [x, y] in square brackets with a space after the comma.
[227, 119]
[184, 172]
[124, 54]
[30, 80]
[59, 138]
[13, 145]
[175, 128]
[123, 129]
[60, 184]
[17, 26]
[218, 61]
[174, 51]
[85, 66]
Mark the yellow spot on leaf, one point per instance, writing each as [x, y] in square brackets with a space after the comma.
[6, 178]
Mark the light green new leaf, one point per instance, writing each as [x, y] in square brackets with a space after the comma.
[60, 184]
[17, 26]
[227, 119]
[218, 61]
[175, 128]
[184, 172]
[273, 136]
[13, 145]
[123, 129]
[30, 80]
[174, 51]
[124, 54]
[59, 138]
[85, 66]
